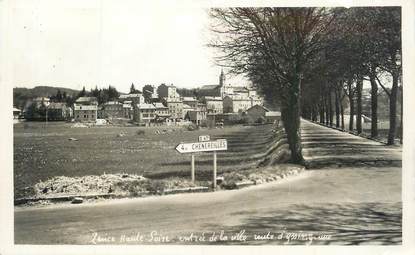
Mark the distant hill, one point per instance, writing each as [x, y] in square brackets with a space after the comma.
[22, 95]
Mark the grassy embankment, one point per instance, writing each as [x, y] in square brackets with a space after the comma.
[43, 151]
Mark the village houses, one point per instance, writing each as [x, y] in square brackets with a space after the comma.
[41, 101]
[85, 109]
[144, 113]
[165, 105]
[175, 106]
[59, 111]
[111, 109]
[214, 105]
[239, 103]
[162, 113]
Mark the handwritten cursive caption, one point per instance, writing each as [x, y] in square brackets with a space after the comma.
[157, 237]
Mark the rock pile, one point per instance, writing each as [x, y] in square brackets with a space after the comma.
[79, 125]
[90, 184]
[116, 184]
[259, 176]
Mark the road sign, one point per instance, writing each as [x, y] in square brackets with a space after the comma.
[217, 145]
[204, 138]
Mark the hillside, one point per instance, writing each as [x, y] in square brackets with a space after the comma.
[21, 95]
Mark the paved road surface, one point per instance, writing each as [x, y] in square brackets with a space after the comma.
[358, 204]
[325, 146]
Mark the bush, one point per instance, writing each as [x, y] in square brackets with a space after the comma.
[141, 132]
[204, 124]
[155, 186]
[192, 127]
[230, 180]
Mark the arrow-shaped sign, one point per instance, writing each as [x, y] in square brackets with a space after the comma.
[217, 145]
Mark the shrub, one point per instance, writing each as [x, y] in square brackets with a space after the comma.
[155, 186]
[192, 127]
[204, 124]
[230, 180]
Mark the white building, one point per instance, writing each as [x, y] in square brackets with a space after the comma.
[162, 112]
[136, 98]
[144, 113]
[240, 102]
[214, 105]
[85, 109]
[175, 106]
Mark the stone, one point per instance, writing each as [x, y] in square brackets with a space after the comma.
[77, 200]
[220, 179]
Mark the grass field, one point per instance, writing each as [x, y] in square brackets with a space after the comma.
[42, 151]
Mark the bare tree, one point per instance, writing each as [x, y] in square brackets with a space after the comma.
[273, 46]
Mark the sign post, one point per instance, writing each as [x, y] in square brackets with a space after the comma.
[216, 145]
[214, 170]
[204, 145]
[193, 168]
[204, 138]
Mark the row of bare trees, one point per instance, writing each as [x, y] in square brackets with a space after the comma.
[365, 46]
[313, 61]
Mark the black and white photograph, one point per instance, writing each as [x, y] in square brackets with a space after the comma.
[186, 126]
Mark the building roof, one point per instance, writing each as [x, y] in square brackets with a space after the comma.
[112, 103]
[186, 106]
[145, 106]
[86, 100]
[213, 98]
[164, 115]
[174, 100]
[16, 110]
[256, 106]
[160, 106]
[131, 95]
[85, 107]
[237, 97]
[240, 89]
[189, 99]
[272, 114]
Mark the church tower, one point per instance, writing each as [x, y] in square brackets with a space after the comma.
[222, 84]
[222, 78]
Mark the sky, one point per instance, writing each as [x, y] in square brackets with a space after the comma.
[101, 43]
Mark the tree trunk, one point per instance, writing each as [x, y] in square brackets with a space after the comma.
[342, 114]
[315, 111]
[359, 87]
[337, 108]
[374, 106]
[321, 110]
[327, 110]
[330, 109]
[392, 110]
[401, 124]
[291, 119]
[351, 102]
